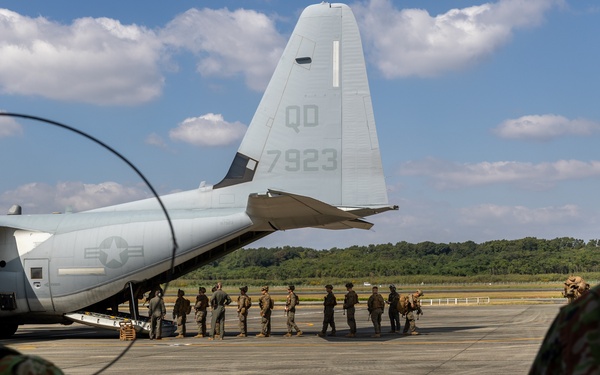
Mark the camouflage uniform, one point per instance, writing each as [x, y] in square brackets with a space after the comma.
[243, 302]
[290, 310]
[413, 305]
[200, 307]
[213, 305]
[329, 302]
[375, 305]
[266, 304]
[13, 362]
[393, 313]
[180, 313]
[350, 299]
[219, 299]
[572, 344]
[157, 311]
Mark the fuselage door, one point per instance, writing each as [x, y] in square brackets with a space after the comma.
[37, 278]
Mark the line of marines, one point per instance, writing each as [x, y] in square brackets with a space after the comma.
[375, 306]
[406, 306]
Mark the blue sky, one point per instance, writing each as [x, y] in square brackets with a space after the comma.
[487, 112]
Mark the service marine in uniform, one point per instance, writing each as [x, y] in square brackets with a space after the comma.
[393, 312]
[156, 311]
[219, 300]
[350, 299]
[244, 302]
[266, 305]
[200, 306]
[329, 302]
[290, 310]
[375, 305]
[413, 306]
[180, 311]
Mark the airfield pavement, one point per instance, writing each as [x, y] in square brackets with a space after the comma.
[478, 339]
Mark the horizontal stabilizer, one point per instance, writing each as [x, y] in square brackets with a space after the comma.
[350, 224]
[288, 211]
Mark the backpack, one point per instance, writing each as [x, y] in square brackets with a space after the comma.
[187, 306]
[271, 303]
[403, 304]
[248, 302]
[297, 299]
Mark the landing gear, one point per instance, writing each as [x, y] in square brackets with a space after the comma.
[7, 329]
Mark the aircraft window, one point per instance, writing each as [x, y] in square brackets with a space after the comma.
[36, 273]
[2, 263]
[303, 60]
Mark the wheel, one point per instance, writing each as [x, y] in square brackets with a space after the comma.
[7, 329]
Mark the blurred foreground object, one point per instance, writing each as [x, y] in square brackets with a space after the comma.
[572, 344]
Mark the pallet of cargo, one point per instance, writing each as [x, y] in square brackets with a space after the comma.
[127, 331]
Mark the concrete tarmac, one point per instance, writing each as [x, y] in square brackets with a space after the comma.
[484, 339]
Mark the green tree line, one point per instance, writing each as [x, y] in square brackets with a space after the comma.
[526, 256]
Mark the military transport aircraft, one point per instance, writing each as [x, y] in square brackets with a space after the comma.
[310, 158]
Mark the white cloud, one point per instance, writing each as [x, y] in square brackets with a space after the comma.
[411, 42]
[102, 61]
[229, 43]
[93, 60]
[9, 127]
[156, 140]
[545, 127]
[447, 175]
[38, 198]
[208, 130]
[510, 215]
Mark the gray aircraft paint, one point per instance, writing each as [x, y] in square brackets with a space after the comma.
[310, 158]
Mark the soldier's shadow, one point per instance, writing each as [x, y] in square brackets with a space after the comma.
[366, 333]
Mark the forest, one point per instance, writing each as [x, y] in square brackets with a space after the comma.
[477, 262]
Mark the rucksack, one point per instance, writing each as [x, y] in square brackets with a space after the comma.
[248, 302]
[187, 306]
[403, 304]
[271, 303]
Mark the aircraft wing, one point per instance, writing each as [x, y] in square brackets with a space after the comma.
[284, 211]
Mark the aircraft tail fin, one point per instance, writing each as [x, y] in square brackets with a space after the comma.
[313, 133]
